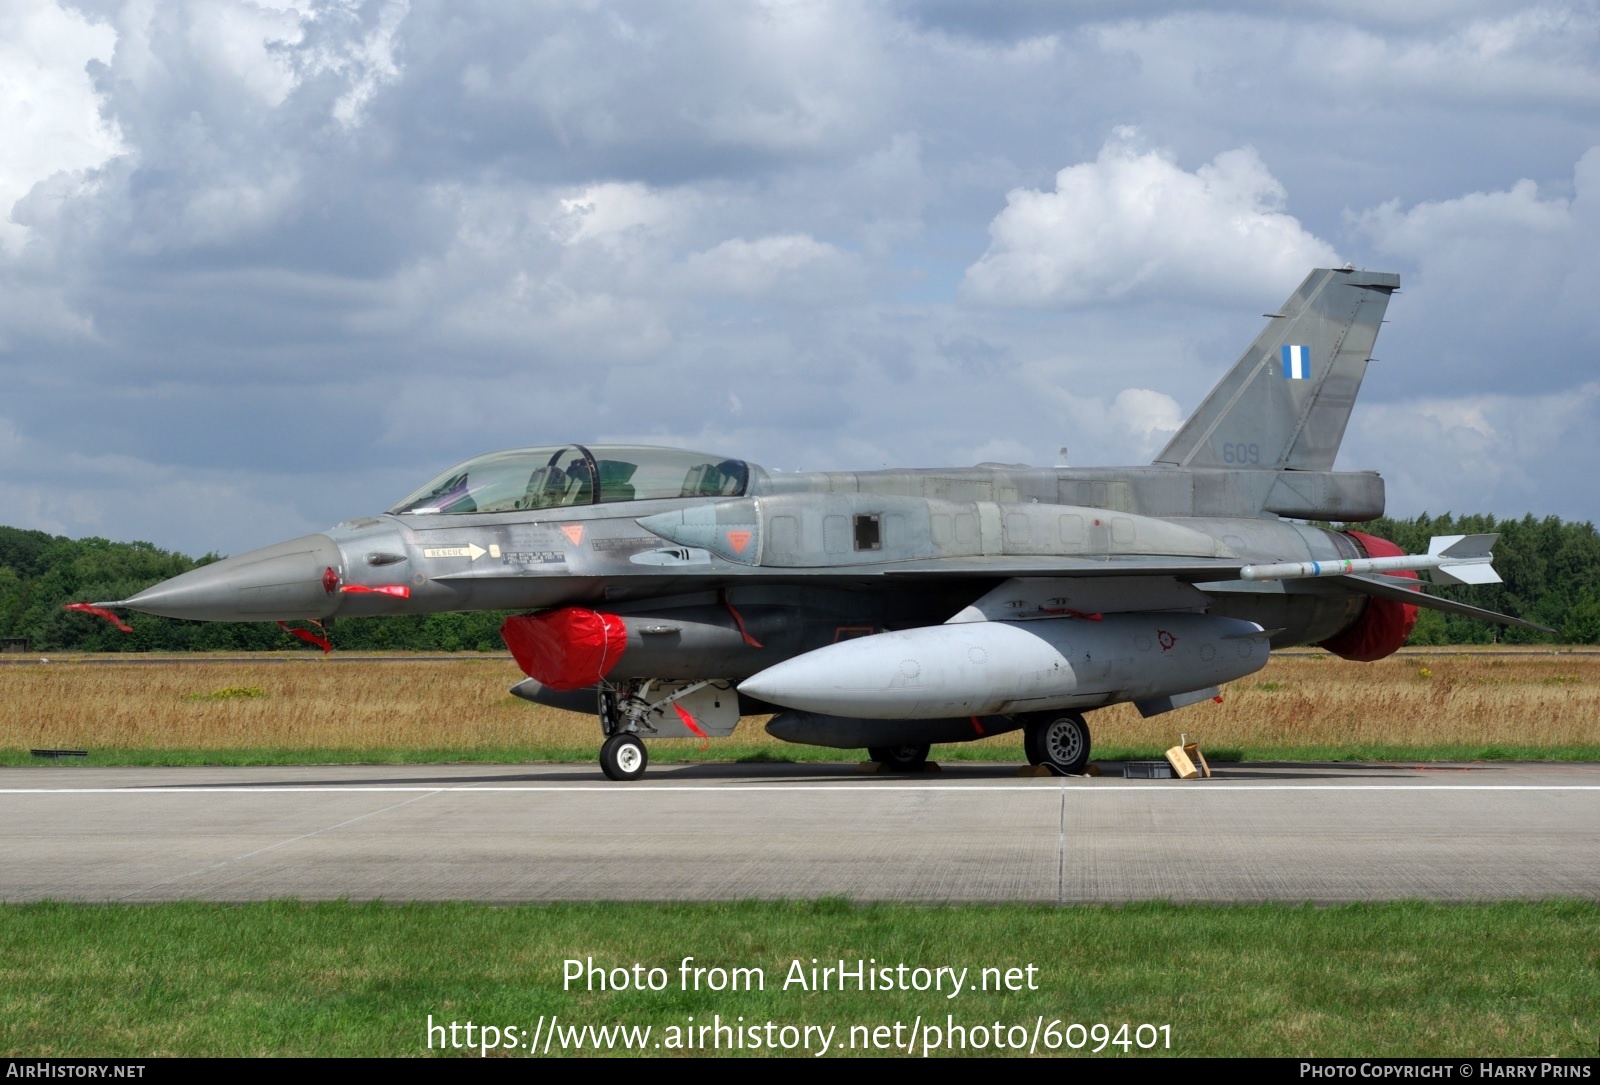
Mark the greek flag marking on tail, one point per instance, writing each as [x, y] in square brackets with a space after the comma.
[1296, 362]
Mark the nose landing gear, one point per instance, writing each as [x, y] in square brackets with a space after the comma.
[623, 757]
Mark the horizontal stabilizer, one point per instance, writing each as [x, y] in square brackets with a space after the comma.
[1384, 588]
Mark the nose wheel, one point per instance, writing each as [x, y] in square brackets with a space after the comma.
[623, 757]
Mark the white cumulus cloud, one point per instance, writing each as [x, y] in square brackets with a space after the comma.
[49, 110]
[1146, 413]
[1507, 274]
[785, 265]
[1498, 452]
[1134, 222]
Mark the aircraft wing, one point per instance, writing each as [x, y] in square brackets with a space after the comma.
[1016, 565]
[998, 565]
[1200, 570]
[1194, 570]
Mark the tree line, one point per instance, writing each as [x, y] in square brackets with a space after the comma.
[40, 573]
[1551, 572]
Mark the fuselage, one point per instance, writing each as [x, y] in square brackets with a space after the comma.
[596, 553]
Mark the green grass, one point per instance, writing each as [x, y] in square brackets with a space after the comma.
[673, 751]
[227, 693]
[339, 979]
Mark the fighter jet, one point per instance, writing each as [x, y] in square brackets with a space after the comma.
[671, 592]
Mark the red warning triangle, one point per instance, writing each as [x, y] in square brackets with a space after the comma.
[573, 532]
[739, 540]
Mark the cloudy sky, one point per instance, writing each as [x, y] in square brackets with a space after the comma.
[266, 266]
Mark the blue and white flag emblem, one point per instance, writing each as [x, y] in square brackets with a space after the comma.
[1296, 362]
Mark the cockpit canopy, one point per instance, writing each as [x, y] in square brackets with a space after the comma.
[559, 477]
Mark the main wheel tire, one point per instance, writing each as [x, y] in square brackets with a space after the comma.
[623, 757]
[906, 758]
[1059, 740]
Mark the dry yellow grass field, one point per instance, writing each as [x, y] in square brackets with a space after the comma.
[1300, 701]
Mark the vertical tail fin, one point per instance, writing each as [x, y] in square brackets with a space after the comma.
[1286, 402]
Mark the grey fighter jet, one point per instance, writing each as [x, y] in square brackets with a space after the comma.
[672, 592]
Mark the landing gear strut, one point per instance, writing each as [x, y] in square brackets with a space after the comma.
[1059, 740]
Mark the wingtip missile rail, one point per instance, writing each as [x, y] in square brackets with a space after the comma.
[1451, 559]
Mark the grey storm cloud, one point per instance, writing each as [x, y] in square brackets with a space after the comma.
[267, 265]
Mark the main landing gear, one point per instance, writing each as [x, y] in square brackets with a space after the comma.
[900, 758]
[1059, 740]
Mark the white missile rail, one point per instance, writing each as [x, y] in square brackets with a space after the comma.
[1451, 559]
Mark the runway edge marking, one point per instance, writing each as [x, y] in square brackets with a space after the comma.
[670, 789]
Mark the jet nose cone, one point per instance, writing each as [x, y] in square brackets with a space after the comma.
[275, 583]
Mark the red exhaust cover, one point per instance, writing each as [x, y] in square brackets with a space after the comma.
[568, 648]
[1384, 624]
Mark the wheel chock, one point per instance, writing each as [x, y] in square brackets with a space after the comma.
[1187, 760]
[1181, 765]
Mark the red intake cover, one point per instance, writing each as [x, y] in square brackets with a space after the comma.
[568, 648]
[1384, 624]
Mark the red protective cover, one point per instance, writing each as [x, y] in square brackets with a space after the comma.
[570, 648]
[1384, 624]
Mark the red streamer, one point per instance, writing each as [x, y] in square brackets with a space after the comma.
[99, 612]
[308, 636]
[739, 621]
[399, 591]
[688, 721]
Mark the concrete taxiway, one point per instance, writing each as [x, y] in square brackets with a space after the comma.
[974, 832]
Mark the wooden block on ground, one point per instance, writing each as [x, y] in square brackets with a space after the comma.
[1181, 764]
